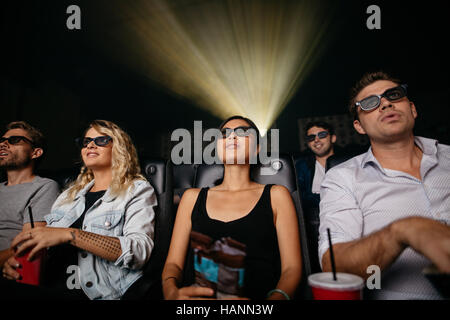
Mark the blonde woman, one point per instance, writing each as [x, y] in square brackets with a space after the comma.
[103, 223]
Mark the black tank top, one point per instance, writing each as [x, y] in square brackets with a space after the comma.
[257, 231]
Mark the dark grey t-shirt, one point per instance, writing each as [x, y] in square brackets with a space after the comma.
[15, 200]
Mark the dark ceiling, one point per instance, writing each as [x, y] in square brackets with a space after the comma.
[56, 79]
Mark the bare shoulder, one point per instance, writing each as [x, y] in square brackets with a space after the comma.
[190, 196]
[279, 192]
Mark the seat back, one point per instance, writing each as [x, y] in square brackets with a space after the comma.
[183, 179]
[281, 172]
[344, 155]
[159, 174]
[63, 177]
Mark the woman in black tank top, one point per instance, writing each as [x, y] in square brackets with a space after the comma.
[237, 239]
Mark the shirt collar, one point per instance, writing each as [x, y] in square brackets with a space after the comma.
[107, 197]
[428, 147]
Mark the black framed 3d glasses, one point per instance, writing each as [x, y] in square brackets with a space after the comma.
[15, 140]
[241, 131]
[321, 135]
[100, 141]
[374, 101]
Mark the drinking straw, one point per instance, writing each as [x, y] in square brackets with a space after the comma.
[333, 266]
[31, 217]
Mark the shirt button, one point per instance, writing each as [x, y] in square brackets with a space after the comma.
[84, 227]
[107, 223]
[83, 254]
[88, 284]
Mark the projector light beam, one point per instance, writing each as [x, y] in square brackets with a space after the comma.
[229, 57]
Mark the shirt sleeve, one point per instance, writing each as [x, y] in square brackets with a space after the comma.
[42, 201]
[339, 210]
[137, 241]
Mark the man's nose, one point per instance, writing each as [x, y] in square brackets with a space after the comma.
[385, 103]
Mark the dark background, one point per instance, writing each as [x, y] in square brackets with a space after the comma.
[56, 80]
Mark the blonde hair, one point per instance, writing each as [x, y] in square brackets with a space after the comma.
[125, 164]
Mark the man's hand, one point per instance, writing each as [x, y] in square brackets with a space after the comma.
[9, 269]
[39, 238]
[428, 237]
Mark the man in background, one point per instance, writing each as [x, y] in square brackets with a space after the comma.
[320, 139]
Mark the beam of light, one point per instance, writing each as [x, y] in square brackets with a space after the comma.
[244, 57]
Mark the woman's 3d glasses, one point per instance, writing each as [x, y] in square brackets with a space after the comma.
[238, 131]
[100, 141]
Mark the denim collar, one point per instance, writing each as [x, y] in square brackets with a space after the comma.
[107, 197]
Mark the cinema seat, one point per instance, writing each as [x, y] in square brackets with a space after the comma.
[183, 179]
[62, 176]
[335, 159]
[159, 174]
[282, 173]
[347, 153]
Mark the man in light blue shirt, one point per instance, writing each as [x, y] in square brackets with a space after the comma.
[390, 206]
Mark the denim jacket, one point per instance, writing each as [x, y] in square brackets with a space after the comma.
[128, 217]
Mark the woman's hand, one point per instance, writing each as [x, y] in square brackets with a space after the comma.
[39, 238]
[190, 293]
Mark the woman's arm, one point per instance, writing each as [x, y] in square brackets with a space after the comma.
[173, 268]
[43, 237]
[101, 246]
[132, 249]
[286, 224]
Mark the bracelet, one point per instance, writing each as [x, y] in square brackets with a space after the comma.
[280, 292]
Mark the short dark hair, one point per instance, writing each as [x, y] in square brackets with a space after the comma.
[36, 136]
[366, 80]
[320, 124]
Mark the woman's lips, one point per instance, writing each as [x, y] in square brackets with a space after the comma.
[92, 154]
[231, 146]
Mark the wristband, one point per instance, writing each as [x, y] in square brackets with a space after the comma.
[284, 294]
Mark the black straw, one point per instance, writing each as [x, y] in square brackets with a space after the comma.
[31, 217]
[333, 266]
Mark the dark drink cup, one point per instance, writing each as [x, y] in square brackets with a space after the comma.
[346, 287]
[31, 271]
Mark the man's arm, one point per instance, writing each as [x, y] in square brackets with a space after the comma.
[429, 237]
[380, 248]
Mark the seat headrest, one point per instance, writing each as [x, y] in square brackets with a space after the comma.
[155, 172]
[336, 159]
[62, 176]
[280, 171]
[184, 175]
[208, 175]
